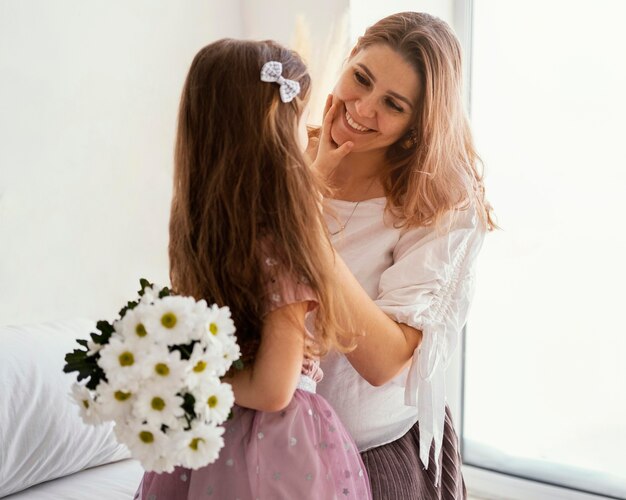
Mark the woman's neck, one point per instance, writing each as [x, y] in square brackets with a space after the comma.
[357, 177]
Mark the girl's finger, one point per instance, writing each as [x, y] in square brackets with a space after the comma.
[328, 121]
[343, 150]
[337, 102]
[328, 105]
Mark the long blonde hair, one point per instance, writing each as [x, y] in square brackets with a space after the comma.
[241, 182]
[434, 167]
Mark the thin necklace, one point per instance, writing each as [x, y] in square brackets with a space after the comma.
[356, 205]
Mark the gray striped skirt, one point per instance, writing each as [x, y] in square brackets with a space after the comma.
[397, 473]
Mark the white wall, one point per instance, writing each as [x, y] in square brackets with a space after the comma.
[318, 30]
[276, 19]
[364, 13]
[88, 99]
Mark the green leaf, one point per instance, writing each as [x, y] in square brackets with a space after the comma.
[105, 327]
[189, 401]
[97, 376]
[106, 330]
[74, 360]
[86, 366]
[129, 306]
[144, 283]
[185, 350]
[238, 365]
[165, 292]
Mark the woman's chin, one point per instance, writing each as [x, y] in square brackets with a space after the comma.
[339, 138]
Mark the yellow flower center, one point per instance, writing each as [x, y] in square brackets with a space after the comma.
[193, 444]
[200, 366]
[86, 403]
[121, 396]
[168, 320]
[162, 369]
[146, 436]
[158, 404]
[213, 328]
[140, 330]
[212, 401]
[126, 358]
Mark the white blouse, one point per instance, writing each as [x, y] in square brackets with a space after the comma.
[421, 277]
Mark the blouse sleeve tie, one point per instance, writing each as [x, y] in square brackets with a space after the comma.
[425, 389]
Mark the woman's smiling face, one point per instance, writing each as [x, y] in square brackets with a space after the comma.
[379, 91]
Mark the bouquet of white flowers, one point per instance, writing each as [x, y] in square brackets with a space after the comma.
[156, 373]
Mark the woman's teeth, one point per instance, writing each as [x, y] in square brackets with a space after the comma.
[354, 124]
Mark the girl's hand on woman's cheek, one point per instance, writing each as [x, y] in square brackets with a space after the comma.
[329, 154]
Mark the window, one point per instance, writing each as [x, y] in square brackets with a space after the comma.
[544, 374]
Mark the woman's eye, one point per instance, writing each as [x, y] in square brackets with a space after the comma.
[392, 104]
[359, 77]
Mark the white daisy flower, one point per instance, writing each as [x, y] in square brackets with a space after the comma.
[147, 444]
[159, 464]
[124, 362]
[166, 367]
[218, 357]
[132, 327]
[116, 403]
[214, 400]
[171, 320]
[202, 363]
[200, 307]
[201, 314]
[230, 354]
[220, 324]
[201, 310]
[90, 410]
[159, 405]
[200, 445]
[150, 295]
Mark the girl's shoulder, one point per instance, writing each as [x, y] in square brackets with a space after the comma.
[282, 286]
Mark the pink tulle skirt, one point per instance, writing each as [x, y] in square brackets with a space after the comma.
[302, 452]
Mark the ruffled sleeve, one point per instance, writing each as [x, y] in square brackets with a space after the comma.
[283, 288]
[429, 287]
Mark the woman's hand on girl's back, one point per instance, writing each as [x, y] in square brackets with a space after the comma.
[329, 154]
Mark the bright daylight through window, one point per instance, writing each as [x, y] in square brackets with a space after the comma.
[545, 377]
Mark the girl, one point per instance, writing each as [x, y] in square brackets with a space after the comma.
[247, 231]
[409, 216]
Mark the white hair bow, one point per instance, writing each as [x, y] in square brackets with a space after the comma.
[272, 72]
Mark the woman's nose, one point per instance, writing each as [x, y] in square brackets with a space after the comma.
[366, 106]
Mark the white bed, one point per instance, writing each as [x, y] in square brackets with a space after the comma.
[116, 481]
[46, 451]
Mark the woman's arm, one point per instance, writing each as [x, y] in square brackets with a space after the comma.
[269, 384]
[384, 347]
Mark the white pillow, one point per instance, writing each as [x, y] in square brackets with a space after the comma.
[42, 436]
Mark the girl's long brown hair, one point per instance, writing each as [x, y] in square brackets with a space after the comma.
[434, 168]
[241, 181]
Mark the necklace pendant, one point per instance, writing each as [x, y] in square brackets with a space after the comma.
[341, 228]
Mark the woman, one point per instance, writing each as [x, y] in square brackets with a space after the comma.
[408, 216]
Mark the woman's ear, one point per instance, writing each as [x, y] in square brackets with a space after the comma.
[410, 139]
